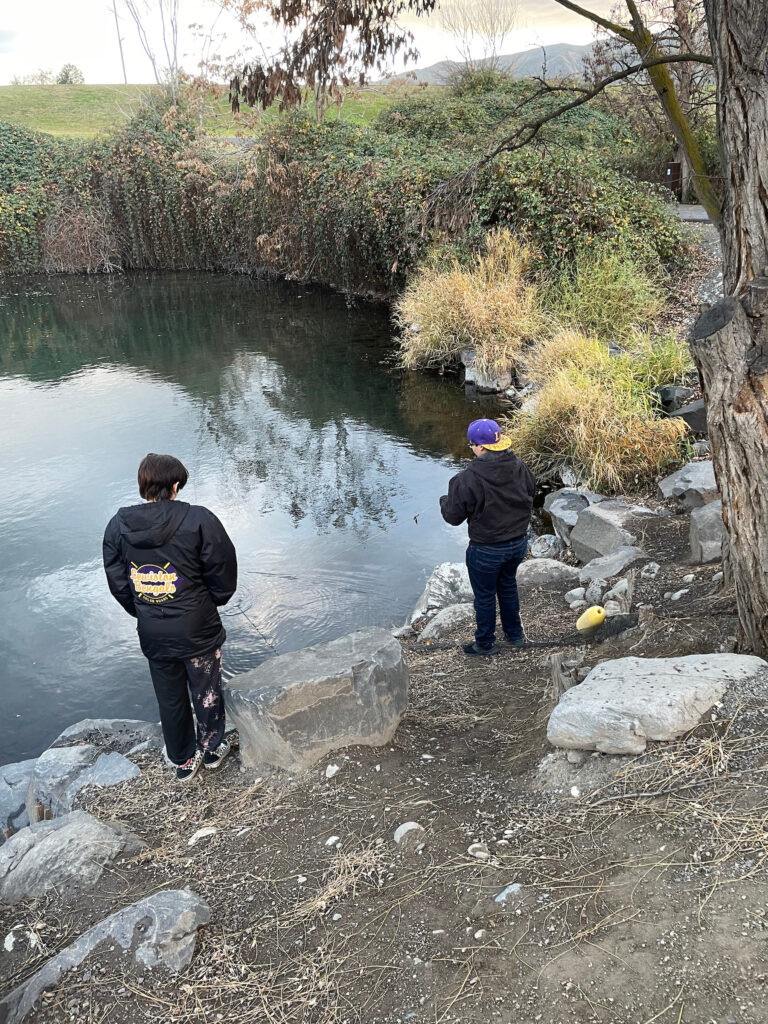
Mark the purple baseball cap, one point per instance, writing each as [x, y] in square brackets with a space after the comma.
[488, 434]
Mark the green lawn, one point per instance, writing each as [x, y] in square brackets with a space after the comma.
[83, 111]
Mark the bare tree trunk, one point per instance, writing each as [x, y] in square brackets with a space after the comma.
[739, 34]
[730, 342]
[120, 42]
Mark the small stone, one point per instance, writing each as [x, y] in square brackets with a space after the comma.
[612, 608]
[331, 770]
[668, 595]
[689, 578]
[301, 879]
[209, 830]
[577, 594]
[479, 851]
[678, 594]
[718, 577]
[619, 589]
[402, 830]
[480, 934]
[576, 606]
[336, 917]
[332, 840]
[575, 791]
[547, 546]
[594, 592]
[510, 890]
[577, 757]
[650, 571]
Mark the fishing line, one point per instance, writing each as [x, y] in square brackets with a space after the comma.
[267, 641]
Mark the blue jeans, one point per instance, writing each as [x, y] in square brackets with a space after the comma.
[492, 569]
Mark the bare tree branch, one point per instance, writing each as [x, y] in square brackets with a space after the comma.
[611, 26]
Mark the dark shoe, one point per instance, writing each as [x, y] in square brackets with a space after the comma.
[212, 759]
[187, 771]
[475, 650]
[514, 641]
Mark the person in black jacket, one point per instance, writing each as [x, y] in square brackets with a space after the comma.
[494, 495]
[171, 565]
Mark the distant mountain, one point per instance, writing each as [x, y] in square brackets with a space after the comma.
[560, 59]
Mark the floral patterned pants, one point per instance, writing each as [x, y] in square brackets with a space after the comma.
[175, 682]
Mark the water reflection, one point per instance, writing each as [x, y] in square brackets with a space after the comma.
[296, 428]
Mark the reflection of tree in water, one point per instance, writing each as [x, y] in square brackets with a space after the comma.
[290, 379]
[337, 472]
[434, 410]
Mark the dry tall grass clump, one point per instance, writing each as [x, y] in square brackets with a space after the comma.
[490, 306]
[596, 412]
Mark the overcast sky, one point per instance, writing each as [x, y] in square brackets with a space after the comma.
[49, 33]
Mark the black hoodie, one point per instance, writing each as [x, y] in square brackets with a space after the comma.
[170, 565]
[494, 494]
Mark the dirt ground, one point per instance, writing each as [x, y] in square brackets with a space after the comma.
[639, 884]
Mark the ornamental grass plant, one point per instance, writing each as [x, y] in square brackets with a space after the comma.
[490, 305]
[598, 412]
[607, 292]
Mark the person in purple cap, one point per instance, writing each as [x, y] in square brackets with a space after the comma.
[494, 495]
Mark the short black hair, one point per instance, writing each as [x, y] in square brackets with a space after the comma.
[158, 474]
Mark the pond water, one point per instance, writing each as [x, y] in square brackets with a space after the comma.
[322, 459]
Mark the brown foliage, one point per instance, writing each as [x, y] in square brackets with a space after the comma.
[334, 44]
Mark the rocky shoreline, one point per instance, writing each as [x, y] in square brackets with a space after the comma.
[250, 889]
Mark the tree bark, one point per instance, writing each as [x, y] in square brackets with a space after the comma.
[738, 32]
[730, 341]
[728, 348]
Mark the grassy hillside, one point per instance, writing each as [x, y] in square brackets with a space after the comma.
[83, 111]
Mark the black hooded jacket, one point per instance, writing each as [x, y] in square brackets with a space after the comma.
[494, 494]
[171, 565]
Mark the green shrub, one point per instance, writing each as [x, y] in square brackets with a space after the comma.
[339, 203]
[565, 201]
[606, 293]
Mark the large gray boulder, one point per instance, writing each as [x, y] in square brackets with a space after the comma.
[565, 506]
[121, 735]
[448, 584]
[584, 496]
[14, 781]
[296, 708]
[66, 854]
[624, 703]
[693, 485]
[546, 574]
[610, 565]
[159, 931]
[482, 379]
[602, 528]
[565, 513]
[455, 616]
[707, 532]
[694, 415]
[673, 396]
[61, 772]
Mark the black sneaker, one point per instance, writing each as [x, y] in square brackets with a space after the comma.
[475, 650]
[514, 641]
[212, 759]
[187, 771]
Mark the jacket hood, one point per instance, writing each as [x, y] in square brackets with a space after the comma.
[152, 524]
[495, 465]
